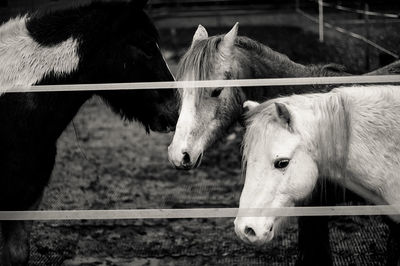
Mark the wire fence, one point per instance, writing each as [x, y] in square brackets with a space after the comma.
[377, 79]
[321, 23]
[199, 213]
[360, 11]
[208, 212]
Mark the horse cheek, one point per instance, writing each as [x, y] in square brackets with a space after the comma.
[303, 178]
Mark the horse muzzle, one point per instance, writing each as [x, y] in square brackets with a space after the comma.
[254, 230]
[184, 159]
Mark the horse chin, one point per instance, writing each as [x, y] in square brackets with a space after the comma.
[265, 240]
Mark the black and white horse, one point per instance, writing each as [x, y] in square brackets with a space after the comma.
[97, 43]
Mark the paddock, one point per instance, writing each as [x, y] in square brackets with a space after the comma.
[106, 164]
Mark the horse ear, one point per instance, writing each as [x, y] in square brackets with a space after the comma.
[140, 3]
[200, 34]
[228, 41]
[283, 113]
[250, 105]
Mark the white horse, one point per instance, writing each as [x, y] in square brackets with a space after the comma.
[351, 135]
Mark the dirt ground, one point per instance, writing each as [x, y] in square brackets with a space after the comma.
[105, 163]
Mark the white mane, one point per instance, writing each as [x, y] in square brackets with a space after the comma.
[24, 62]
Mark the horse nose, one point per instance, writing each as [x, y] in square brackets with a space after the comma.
[248, 231]
[186, 159]
[251, 233]
[254, 233]
[183, 157]
[180, 158]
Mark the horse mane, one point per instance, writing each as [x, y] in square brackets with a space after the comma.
[333, 133]
[200, 57]
[331, 127]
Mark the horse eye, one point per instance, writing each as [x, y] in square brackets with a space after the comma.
[215, 93]
[281, 163]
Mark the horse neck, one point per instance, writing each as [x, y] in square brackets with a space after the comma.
[263, 62]
[331, 142]
[350, 145]
[373, 162]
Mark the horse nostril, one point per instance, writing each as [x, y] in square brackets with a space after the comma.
[186, 158]
[249, 231]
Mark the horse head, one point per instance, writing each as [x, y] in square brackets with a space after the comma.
[280, 170]
[205, 113]
[137, 57]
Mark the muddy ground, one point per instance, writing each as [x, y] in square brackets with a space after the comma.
[105, 163]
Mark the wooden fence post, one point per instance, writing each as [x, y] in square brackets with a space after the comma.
[321, 20]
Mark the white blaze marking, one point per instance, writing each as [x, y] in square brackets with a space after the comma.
[186, 120]
[25, 62]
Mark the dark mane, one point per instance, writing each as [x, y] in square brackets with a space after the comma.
[260, 49]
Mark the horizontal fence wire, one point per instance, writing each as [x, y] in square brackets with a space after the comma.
[349, 33]
[378, 79]
[198, 213]
[360, 11]
[207, 212]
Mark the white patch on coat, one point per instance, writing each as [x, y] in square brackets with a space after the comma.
[24, 62]
[185, 141]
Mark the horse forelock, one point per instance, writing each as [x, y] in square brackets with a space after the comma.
[198, 62]
[257, 121]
